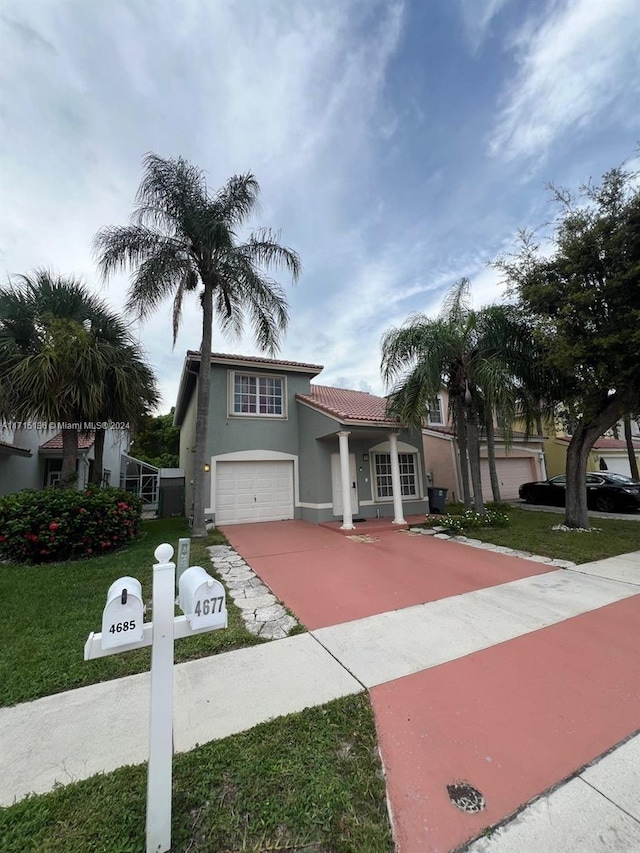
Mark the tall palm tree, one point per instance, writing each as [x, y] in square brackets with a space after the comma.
[481, 357]
[58, 346]
[183, 238]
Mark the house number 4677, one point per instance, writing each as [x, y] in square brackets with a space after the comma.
[209, 605]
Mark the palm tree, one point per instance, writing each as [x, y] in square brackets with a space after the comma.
[183, 238]
[481, 357]
[128, 384]
[58, 347]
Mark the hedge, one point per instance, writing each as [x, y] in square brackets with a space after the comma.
[62, 524]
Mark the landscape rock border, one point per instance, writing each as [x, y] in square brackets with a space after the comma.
[263, 614]
[439, 533]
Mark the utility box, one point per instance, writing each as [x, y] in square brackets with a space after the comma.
[437, 499]
[122, 617]
[202, 599]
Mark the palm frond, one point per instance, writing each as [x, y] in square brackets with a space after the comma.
[237, 199]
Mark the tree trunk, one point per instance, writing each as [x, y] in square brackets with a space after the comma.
[491, 454]
[461, 435]
[582, 441]
[68, 475]
[474, 458]
[633, 462]
[98, 457]
[202, 414]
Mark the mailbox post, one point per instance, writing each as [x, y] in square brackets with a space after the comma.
[161, 725]
[203, 601]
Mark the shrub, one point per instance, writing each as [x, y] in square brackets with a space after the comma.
[56, 524]
[468, 520]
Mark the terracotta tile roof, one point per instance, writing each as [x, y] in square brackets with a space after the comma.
[606, 443]
[348, 405]
[258, 359]
[85, 441]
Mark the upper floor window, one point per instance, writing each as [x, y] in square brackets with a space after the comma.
[257, 395]
[434, 413]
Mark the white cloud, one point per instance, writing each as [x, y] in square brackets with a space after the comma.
[477, 16]
[570, 66]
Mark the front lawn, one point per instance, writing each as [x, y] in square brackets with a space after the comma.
[48, 610]
[309, 782]
[532, 531]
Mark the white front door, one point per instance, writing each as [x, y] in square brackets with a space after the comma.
[336, 484]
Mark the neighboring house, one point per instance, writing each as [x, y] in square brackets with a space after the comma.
[31, 458]
[607, 454]
[280, 447]
[520, 462]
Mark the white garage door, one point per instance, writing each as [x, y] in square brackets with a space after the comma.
[617, 464]
[512, 473]
[253, 491]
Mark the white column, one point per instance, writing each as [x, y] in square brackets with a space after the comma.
[395, 479]
[345, 478]
[161, 728]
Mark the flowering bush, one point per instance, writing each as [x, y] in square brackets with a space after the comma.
[55, 524]
[468, 520]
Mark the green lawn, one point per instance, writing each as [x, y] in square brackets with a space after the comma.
[531, 531]
[309, 783]
[47, 612]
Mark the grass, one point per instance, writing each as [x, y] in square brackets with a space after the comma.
[309, 783]
[532, 531]
[48, 611]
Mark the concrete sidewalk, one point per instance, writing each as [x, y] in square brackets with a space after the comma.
[411, 660]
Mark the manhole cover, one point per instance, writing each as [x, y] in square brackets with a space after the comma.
[465, 797]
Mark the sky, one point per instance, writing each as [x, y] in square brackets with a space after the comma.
[399, 144]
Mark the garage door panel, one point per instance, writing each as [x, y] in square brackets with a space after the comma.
[617, 464]
[254, 491]
[512, 472]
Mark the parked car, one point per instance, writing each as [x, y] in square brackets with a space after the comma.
[606, 492]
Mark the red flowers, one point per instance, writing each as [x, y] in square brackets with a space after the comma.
[54, 525]
[122, 505]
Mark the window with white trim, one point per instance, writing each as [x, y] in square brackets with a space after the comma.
[408, 480]
[258, 395]
[434, 411]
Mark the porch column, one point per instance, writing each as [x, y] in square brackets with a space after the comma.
[345, 478]
[395, 479]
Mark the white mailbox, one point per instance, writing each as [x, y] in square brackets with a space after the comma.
[202, 599]
[122, 618]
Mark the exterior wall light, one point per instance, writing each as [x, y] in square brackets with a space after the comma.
[365, 457]
[207, 468]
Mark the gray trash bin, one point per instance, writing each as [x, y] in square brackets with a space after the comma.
[437, 499]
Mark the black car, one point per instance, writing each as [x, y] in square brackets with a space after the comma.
[606, 492]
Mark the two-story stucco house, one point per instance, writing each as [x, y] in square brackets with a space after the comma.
[520, 461]
[281, 447]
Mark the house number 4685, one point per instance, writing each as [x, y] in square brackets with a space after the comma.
[119, 627]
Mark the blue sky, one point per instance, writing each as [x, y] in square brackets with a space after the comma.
[398, 145]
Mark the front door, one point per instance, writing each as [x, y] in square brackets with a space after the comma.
[336, 484]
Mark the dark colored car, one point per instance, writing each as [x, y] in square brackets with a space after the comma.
[606, 492]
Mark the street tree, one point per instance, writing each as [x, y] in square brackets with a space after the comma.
[583, 294]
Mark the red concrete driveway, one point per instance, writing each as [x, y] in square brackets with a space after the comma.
[511, 719]
[327, 578]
